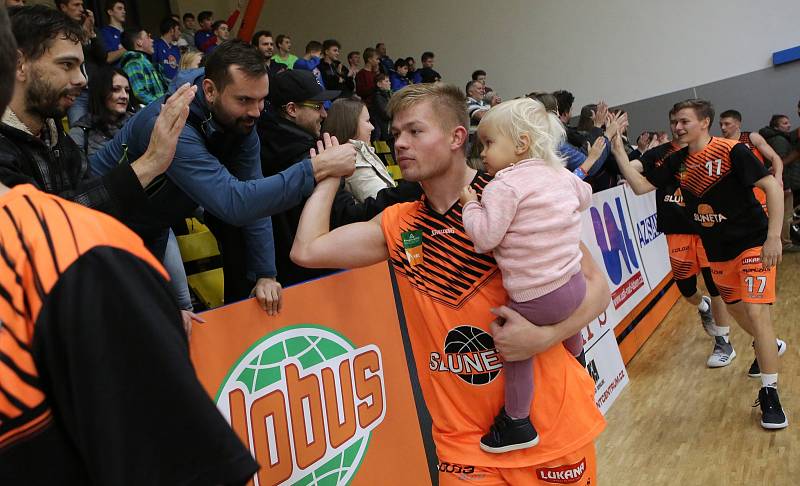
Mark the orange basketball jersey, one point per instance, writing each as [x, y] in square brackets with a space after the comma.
[447, 289]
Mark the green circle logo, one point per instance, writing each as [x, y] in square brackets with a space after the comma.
[305, 400]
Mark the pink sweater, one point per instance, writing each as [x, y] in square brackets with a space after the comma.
[529, 215]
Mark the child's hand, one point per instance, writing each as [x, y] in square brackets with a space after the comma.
[597, 148]
[468, 194]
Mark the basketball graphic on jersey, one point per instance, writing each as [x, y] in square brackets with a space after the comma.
[469, 353]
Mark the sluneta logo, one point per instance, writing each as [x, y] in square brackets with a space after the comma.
[305, 400]
[469, 352]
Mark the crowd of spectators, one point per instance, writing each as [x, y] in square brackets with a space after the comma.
[243, 160]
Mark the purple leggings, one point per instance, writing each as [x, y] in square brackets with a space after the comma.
[543, 311]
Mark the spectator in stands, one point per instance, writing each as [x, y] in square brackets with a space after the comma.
[565, 99]
[288, 131]
[94, 303]
[348, 120]
[180, 43]
[778, 134]
[333, 72]
[285, 55]
[191, 60]
[221, 31]
[386, 63]
[204, 34]
[427, 73]
[110, 107]
[94, 53]
[365, 79]
[310, 60]
[147, 84]
[581, 163]
[262, 40]
[112, 33]
[414, 74]
[476, 106]
[206, 39]
[380, 114]
[14, 3]
[399, 77]
[33, 146]
[354, 61]
[217, 167]
[166, 53]
[353, 67]
[479, 75]
[189, 30]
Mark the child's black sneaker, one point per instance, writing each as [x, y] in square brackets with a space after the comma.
[508, 434]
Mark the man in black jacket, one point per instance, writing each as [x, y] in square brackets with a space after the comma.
[288, 131]
[33, 146]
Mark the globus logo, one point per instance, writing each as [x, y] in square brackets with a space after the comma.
[614, 241]
[305, 400]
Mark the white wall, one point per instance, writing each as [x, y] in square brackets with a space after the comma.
[619, 50]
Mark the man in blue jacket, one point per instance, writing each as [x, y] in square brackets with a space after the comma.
[217, 166]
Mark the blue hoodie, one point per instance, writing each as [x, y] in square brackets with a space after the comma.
[231, 187]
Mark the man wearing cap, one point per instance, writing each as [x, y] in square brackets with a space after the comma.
[288, 130]
[217, 167]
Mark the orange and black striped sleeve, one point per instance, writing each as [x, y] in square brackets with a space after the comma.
[95, 376]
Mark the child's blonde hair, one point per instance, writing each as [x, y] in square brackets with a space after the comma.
[515, 117]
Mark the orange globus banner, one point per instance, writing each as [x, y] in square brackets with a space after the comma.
[322, 393]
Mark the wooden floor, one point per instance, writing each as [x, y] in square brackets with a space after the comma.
[680, 423]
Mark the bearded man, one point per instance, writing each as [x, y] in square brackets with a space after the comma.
[217, 166]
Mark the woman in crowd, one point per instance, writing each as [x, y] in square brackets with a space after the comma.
[110, 106]
[348, 120]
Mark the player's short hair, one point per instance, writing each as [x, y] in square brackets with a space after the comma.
[449, 103]
[731, 114]
[702, 108]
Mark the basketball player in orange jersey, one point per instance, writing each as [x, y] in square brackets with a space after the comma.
[730, 124]
[687, 257]
[447, 290]
[743, 245]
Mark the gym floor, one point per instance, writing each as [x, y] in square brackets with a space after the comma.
[681, 423]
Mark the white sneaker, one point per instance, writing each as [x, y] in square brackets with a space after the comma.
[722, 355]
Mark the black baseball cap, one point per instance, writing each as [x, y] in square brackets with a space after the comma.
[298, 85]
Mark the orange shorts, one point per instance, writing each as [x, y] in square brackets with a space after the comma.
[578, 468]
[745, 279]
[686, 255]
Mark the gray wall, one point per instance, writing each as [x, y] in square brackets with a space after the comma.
[620, 51]
[757, 95]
